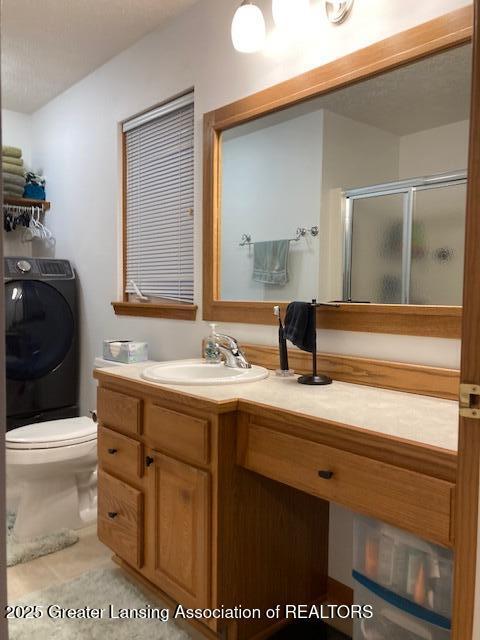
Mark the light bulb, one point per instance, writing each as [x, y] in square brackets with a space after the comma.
[290, 13]
[248, 28]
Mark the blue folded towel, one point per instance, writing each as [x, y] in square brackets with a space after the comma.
[34, 191]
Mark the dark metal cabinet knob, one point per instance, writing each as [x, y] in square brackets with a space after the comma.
[112, 514]
[325, 475]
[149, 461]
[112, 451]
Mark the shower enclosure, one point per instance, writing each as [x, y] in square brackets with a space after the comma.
[404, 241]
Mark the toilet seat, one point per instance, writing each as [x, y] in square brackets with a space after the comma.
[52, 434]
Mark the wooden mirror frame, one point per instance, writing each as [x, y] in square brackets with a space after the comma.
[448, 31]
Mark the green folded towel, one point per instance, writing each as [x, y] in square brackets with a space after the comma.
[13, 178]
[12, 160]
[12, 151]
[15, 192]
[13, 168]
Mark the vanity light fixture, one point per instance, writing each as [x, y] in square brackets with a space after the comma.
[248, 28]
[290, 13]
[338, 11]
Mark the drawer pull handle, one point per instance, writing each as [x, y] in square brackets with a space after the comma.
[149, 461]
[326, 475]
[112, 514]
[112, 451]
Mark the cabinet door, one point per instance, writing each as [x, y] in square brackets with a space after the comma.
[178, 525]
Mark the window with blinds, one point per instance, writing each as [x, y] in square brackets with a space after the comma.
[159, 202]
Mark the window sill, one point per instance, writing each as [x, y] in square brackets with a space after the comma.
[169, 310]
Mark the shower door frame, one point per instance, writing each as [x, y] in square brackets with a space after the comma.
[408, 188]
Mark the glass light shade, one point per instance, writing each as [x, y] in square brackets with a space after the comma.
[248, 28]
[289, 13]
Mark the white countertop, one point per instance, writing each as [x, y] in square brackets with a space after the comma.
[421, 419]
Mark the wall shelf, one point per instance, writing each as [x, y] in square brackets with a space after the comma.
[26, 202]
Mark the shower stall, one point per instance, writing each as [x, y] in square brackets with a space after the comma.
[404, 241]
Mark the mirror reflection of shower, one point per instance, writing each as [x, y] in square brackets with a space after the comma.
[405, 131]
[404, 241]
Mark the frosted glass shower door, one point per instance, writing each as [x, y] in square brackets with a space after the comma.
[438, 242]
[377, 248]
[404, 241]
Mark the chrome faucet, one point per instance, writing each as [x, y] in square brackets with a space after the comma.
[231, 352]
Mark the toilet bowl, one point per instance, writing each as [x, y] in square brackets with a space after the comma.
[52, 476]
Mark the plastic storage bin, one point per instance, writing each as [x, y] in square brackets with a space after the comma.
[412, 568]
[395, 618]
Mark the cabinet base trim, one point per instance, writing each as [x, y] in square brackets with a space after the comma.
[339, 593]
[164, 599]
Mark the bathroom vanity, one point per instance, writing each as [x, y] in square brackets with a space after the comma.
[219, 496]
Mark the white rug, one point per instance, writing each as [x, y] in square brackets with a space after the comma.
[97, 589]
[18, 552]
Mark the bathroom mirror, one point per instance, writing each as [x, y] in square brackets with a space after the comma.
[356, 195]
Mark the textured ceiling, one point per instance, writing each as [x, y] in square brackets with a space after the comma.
[47, 46]
[427, 94]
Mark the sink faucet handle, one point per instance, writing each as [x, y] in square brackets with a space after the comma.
[229, 341]
[231, 352]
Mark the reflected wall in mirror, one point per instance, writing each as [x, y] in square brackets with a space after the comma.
[379, 167]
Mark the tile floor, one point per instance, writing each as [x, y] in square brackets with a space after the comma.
[89, 553]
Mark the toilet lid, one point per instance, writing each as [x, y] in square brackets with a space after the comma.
[51, 434]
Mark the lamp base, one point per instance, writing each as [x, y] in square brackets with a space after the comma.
[315, 380]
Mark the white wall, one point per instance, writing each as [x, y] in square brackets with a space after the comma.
[271, 184]
[17, 132]
[77, 143]
[435, 150]
[355, 155]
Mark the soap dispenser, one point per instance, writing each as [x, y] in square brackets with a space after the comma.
[211, 352]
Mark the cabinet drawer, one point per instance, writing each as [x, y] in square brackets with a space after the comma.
[410, 500]
[177, 434]
[119, 411]
[120, 518]
[119, 454]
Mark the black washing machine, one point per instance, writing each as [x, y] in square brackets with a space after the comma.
[41, 340]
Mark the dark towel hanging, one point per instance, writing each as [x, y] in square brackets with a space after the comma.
[299, 325]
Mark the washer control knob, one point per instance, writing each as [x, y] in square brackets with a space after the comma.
[24, 266]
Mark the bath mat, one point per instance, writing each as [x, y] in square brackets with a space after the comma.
[98, 589]
[309, 630]
[19, 552]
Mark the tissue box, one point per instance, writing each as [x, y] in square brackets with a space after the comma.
[125, 351]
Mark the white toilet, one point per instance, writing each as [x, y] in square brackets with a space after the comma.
[52, 476]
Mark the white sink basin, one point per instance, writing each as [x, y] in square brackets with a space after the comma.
[198, 372]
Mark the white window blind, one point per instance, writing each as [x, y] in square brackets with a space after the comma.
[159, 202]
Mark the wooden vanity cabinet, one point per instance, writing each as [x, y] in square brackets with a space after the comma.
[420, 503]
[154, 508]
[201, 530]
[177, 529]
[221, 504]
